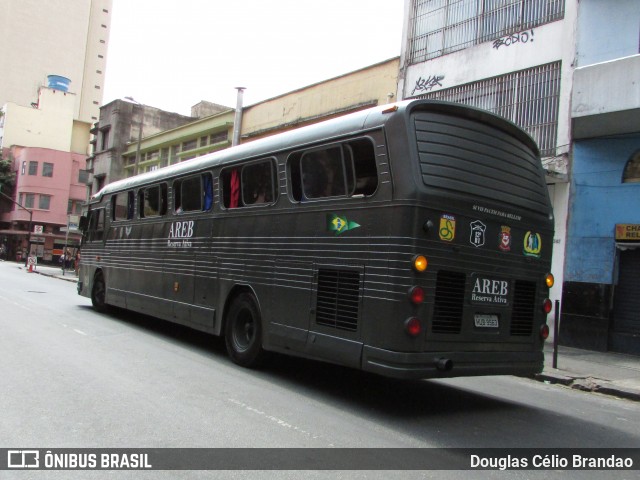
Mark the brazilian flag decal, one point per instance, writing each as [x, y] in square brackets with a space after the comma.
[339, 224]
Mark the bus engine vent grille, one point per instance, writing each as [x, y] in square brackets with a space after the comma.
[524, 299]
[449, 302]
[338, 301]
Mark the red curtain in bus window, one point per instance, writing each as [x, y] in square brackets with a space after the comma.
[235, 189]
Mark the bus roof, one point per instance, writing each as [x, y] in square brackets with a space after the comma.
[319, 132]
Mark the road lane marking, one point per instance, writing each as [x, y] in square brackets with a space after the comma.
[80, 332]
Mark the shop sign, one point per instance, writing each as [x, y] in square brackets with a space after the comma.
[628, 231]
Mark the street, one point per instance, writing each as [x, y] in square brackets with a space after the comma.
[75, 378]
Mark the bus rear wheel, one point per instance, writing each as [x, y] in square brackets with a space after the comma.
[98, 294]
[243, 331]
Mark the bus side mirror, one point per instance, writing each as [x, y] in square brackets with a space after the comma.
[82, 225]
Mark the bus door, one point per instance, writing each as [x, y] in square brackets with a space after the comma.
[189, 271]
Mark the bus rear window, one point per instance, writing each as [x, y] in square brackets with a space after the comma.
[338, 170]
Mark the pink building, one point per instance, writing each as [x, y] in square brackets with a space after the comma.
[52, 184]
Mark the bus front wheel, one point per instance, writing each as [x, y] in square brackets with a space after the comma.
[98, 293]
[243, 331]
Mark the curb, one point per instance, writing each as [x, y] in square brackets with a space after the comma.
[590, 384]
[74, 280]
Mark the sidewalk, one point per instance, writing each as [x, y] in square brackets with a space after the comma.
[606, 373]
[52, 271]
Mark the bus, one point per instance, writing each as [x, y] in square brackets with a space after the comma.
[412, 240]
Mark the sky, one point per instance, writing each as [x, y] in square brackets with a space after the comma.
[171, 55]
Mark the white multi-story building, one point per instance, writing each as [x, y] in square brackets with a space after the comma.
[68, 38]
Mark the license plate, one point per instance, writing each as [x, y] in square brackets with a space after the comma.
[485, 321]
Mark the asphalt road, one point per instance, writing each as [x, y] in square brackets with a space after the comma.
[74, 378]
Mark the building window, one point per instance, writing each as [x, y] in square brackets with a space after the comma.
[190, 145]
[24, 167]
[33, 168]
[632, 170]
[44, 202]
[83, 177]
[528, 98]
[219, 137]
[29, 200]
[104, 139]
[47, 169]
[439, 27]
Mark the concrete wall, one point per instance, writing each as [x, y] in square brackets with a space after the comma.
[48, 126]
[365, 88]
[62, 37]
[607, 30]
[599, 200]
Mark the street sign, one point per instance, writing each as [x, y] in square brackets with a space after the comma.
[73, 222]
[38, 229]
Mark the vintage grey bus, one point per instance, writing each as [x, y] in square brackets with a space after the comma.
[412, 240]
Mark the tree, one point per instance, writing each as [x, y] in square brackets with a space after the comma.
[7, 176]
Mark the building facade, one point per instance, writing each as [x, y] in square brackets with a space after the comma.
[53, 59]
[47, 149]
[601, 297]
[122, 123]
[119, 154]
[528, 60]
[69, 38]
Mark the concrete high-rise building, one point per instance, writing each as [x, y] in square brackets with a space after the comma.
[68, 38]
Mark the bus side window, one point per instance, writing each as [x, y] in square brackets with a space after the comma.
[96, 225]
[188, 195]
[257, 183]
[323, 173]
[346, 170]
[153, 201]
[230, 179]
[120, 204]
[364, 165]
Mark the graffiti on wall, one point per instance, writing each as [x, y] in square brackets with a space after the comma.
[426, 84]
[521, 37]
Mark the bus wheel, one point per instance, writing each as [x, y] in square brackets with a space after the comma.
[98, 293]
[243, 331]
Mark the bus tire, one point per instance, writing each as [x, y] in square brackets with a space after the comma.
[98, 294]
[243, 331]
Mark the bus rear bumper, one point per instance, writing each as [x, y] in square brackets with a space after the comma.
[450, 364]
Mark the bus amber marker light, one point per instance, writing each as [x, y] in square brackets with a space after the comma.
[549, 280]
[412, 326]
[420, 263]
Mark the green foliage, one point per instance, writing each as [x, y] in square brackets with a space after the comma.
[7, 176]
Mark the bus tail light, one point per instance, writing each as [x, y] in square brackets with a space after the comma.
[546, 306]
[544, 331]
[549, 280]
[412, 326]
[416, 295]
[420, 263]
